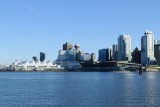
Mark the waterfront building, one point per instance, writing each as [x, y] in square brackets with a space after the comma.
[66, 55]
[69, 65]
[93, 57]
[35, 66]
[62, 55]
[136, 56]
[124, 48]
[78, 52]
[115, 52]
[105, 55]
[157, 53]
[70, 58]
[42, 56]
[35, 58]
[156, 42]
[85, 56]
[108, 54]
[78, 56]
[67, 46]
[69, 54]
[77, 47]
[102, 55]
[147, 48]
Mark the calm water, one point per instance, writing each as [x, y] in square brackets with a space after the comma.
[80, 89]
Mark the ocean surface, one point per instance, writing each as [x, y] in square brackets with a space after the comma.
[79, 89]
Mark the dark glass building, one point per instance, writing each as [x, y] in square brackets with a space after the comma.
[108, 54]
[157, 53]
[35, 58]
[42, 56]
[115, 52]
[102, 55]
[67, 46]
[105, 55]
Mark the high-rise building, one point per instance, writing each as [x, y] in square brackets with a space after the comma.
[93, 57]
[67, 46]
[102, 55]
[85, 56]
[66, 55]
[105, 55]
[70, 54]
[147, 48]
[78, 56]
[157, 53]
[42, 56]
[108, 54]
[156, 42]
[124, 48]
[115, 52]
[136, 56]
[77, 47]
[35, 58]
[78, 52]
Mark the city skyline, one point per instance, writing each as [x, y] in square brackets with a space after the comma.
[29, 27]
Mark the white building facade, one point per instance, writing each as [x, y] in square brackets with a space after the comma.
[124, 47]
[35, 66]
[147, 48]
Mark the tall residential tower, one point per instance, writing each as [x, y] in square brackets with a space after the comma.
[124, 48]
[147, 48]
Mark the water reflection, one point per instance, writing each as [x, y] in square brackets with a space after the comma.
[81, 89]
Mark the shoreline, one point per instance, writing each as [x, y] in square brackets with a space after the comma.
[146, 70]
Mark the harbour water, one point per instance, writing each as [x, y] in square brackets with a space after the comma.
[79, 89]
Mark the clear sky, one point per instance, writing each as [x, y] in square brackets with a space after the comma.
[28, 27]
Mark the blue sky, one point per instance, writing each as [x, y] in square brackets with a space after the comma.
[28, 27]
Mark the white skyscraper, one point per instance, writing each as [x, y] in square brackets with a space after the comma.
[147, 48]
[124, 48]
